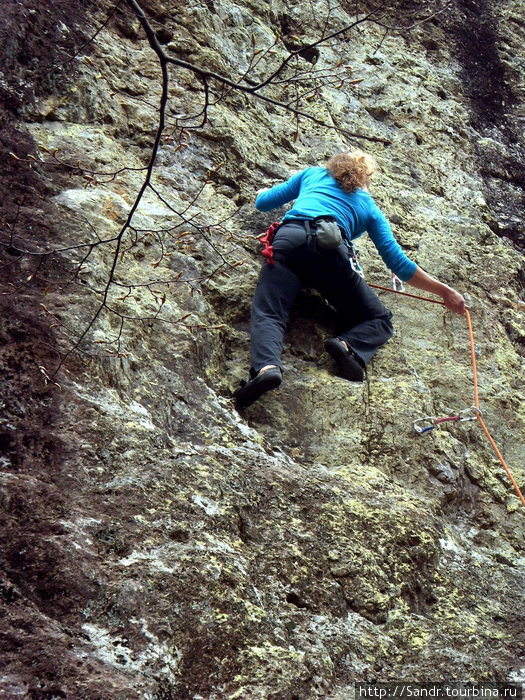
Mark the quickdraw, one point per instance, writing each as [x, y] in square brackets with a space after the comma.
[423, 425]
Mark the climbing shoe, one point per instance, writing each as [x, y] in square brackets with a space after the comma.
[258, 385]
[349, 365]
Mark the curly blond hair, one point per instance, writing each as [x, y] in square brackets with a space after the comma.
[352, 170]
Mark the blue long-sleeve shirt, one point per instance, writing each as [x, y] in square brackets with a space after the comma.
[316, 193]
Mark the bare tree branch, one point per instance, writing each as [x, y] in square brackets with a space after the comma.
[290, 78]
[205, 74]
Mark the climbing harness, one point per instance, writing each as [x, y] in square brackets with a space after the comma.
[267, 237]
[423, 425]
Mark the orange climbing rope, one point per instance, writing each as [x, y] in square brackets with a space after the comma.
[475, 378]
[406, 294]
[480, 419]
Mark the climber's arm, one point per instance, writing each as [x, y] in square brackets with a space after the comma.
[278, 195]
[454, 301]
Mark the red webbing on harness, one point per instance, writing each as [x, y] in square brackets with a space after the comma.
[266, 239]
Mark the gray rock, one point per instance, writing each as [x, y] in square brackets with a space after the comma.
[157, 543]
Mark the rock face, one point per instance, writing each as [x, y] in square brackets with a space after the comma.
[156, 542]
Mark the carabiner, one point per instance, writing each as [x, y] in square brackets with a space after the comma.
[463, 415]
[423, 429]
[397, 284]
[352, 259]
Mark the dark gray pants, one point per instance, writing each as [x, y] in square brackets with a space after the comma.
[362, 320]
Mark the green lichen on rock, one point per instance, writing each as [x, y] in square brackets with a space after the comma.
[160, 544]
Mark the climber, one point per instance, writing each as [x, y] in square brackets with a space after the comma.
[311, 248]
